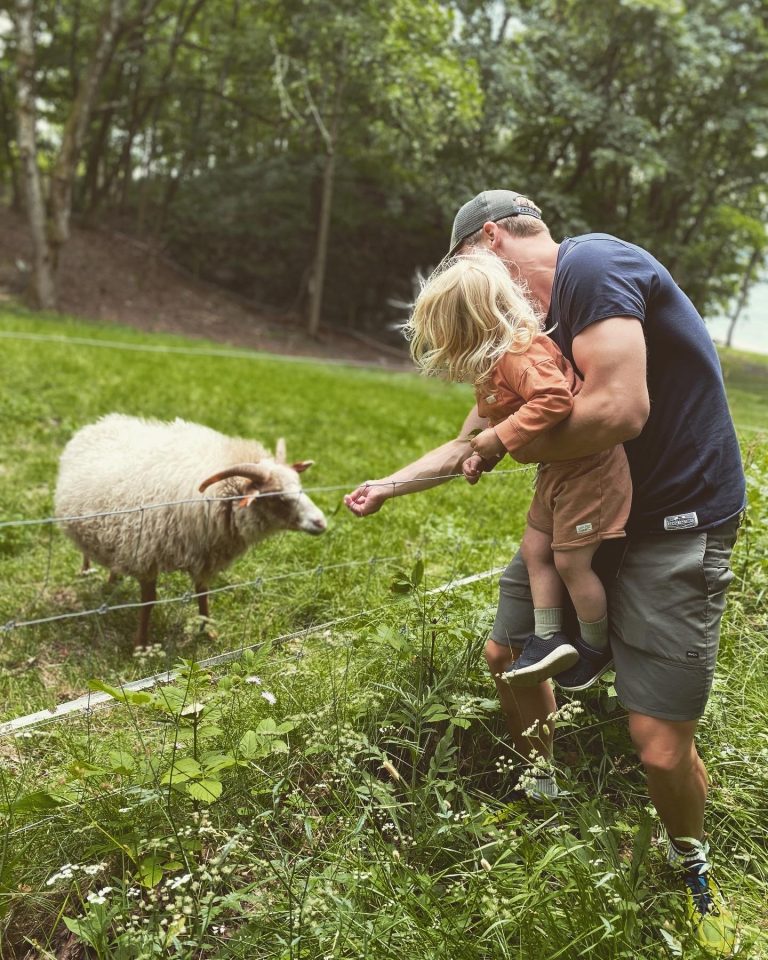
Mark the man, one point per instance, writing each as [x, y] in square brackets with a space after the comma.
[652, 380]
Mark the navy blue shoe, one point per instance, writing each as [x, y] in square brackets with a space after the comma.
[540, 660]
[590, 666]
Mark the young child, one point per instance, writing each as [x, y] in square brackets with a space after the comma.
[471, 321]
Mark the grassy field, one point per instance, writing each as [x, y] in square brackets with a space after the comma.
[345, 793]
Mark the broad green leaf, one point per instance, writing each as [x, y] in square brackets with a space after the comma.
[81, 769]
[212, 762]
[181, 770]
[41, 800]
[150, 871]
[205, 790]
[249, 744]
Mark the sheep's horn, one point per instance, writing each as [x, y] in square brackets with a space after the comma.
[280, 453]
[251, 471]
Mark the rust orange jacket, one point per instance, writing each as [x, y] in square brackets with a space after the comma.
[528, 393]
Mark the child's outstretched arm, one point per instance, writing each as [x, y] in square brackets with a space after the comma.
[431, 469]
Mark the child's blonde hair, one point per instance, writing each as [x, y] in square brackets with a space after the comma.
[467, 316]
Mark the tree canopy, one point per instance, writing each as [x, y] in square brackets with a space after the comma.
[305, 153]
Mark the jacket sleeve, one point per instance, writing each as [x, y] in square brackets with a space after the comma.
[547, 400]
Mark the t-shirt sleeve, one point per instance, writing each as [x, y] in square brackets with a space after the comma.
[548, 400]
[603, 278]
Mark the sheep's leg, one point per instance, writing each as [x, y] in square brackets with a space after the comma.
[148, 598]
[86, 565]
[201, 589]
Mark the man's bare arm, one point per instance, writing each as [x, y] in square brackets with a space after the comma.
[613, 404]
[434, 468]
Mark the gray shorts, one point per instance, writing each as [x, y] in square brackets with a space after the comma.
[666, 595]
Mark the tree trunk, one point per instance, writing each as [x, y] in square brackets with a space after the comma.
[7, 136]
[746, 281]
[321, 251]
[186, 16]
[43, 276]
[65, 165]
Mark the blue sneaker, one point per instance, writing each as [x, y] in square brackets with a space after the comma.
[540, 660]
[590, 666]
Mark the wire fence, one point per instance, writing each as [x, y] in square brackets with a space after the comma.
[202, 500]
[91, 700]
[189, 595]
[88, 701]
[19, 620]
[84, 705]
[171, 350]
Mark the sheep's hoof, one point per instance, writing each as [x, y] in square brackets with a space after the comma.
[199, 626]
[207, 628]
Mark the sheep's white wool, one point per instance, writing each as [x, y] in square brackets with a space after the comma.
[120, 462]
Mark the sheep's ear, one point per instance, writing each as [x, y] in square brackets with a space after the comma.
[302, 465]
[250, 495]
[280, 452]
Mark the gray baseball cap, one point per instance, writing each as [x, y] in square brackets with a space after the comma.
[489, 205]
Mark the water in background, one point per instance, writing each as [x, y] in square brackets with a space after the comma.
[751, 331]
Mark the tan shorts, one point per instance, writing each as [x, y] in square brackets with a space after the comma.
[578, 502]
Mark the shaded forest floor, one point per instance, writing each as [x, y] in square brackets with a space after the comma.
[109, 276]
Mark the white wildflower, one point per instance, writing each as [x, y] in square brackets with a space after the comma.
[100, 897]
[269, 697]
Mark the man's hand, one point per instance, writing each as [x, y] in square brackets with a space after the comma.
[367, 499]
[474, 467]
[488, 446]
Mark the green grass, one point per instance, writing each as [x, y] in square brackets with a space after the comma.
[746, 375]
[363, 813]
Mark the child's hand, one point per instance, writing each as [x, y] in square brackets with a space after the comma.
[474, 467]
[488, 446]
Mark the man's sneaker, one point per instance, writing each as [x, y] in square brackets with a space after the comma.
[540, 660]
[712, 922]
[590, 666]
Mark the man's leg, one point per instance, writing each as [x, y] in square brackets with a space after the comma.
[677, 778]
[523, 707]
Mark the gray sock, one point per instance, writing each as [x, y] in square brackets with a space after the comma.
[548, 621]
[595, 634]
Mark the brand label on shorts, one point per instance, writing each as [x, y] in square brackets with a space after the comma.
[692, 654]
[681, 521]
[583, 528]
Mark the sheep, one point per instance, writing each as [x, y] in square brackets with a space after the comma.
[122, 462]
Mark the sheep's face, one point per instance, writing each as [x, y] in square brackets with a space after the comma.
[277, 503]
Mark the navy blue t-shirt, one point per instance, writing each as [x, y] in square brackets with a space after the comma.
[686, 465]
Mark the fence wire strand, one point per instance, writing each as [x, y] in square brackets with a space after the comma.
[91, 700]
[76, 518]
[189, 595]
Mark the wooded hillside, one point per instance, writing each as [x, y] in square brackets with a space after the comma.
[310, 156]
